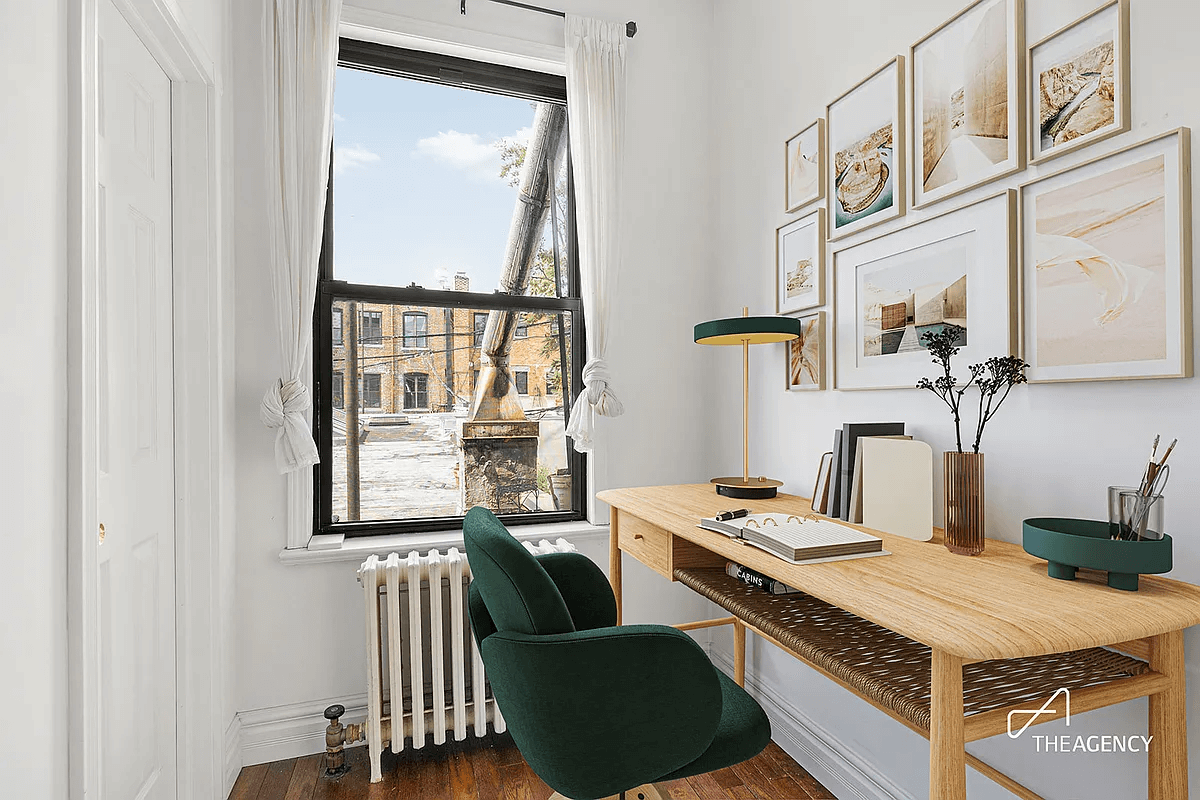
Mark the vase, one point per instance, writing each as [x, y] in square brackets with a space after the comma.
[964, 503]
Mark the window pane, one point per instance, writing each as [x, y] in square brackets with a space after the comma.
[459, 155]
[416, 325]
[445, 429]
[339, 399]
[337, 326]
[371, 329]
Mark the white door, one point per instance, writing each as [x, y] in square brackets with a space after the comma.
[136, 486]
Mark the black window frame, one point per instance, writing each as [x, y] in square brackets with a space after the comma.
[363, 315]
[423, 338]
[362, 392]
[477, 330]
[517, 374]
[479, 76]
[339, 335]
[423, 390]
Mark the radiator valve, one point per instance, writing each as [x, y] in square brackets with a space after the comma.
[337, 736]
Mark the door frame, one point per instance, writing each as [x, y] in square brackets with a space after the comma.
[202, 382]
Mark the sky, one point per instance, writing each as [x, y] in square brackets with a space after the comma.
[417, 192]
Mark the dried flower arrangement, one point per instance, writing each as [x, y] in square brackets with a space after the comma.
[995, 378]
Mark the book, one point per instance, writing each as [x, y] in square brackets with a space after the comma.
[856, 482]
[820, 498]
[797, 538]
[898, 487]
[755, 578]
[851, 431]
[835, 470]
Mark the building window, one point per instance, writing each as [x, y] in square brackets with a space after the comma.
[372, 394]
[416, 330]
[416, 391]
[339, 380]
[480, 327]
[371, 333]
[401, 114]
[337, 329]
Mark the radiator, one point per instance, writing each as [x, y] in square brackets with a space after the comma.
[407, 630]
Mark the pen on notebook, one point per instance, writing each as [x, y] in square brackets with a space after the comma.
[728, 515]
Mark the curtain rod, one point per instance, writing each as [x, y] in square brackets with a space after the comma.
[630, 27]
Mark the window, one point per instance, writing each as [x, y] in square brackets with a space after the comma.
[416, 391]
[480, 327]
[371, 391]
[371, 332]
[420, 239]
[416, 329]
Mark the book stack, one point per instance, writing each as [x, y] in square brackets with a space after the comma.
[838, 492]
[752, 577]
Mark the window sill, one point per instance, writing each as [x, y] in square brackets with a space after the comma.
[327, 549]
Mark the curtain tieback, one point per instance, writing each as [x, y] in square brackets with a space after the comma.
[283, 408]
[597, 381]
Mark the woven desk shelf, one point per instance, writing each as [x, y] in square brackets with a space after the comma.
[891, 670]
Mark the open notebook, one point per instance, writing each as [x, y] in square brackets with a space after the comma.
[798, 538]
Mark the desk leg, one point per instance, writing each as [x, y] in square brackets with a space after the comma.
[739, 652]
[614, 558]
[1168, 767]
[947, 743]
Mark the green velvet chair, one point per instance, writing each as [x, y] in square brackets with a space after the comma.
[596, 709]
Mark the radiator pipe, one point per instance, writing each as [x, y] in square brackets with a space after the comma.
[337, 735]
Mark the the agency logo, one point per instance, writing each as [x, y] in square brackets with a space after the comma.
[1067, 744]
[1035, 714]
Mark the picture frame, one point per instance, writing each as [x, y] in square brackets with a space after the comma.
[800, 264]
[1106, 265]
[964, 133]
[864, 134]
[804, 358]
[804, 167]
[956, 268]
[1067, 54]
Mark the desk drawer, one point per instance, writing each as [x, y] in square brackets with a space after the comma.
[645, 542]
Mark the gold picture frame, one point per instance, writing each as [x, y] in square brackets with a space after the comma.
[812, 224]
[1119, 11]
[812, 356]
[815, 130]
[1015, 126]
[1128, 282]
[864, 217]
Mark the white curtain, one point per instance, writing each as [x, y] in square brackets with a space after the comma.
[300, 45]
[596, 113]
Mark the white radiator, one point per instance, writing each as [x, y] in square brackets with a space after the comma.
[403, 638]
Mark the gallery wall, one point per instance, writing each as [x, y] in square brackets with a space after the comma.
[1053, 448]
[300, 626]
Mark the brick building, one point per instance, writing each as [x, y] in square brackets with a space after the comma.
[419, 359]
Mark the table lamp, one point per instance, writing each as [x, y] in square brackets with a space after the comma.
[747, 330]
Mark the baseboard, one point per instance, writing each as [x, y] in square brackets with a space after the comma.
[233, 755]
[845, 773]
[291, 731]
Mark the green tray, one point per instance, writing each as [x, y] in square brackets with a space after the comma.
[1068, 544]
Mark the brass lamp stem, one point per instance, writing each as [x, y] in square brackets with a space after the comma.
[746, 403]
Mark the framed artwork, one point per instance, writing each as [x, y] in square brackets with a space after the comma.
[1106, 266]
[805, 359]
[804, 179]
[958, 268]
[800, 264]
[865, 162]
[1079, 83]
[967, 79]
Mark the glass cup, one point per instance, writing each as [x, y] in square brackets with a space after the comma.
[1134, 516]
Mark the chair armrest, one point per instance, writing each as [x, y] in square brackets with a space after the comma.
[595, 712]
[584, 588]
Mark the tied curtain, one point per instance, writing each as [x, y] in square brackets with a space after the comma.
[300, 46]
[596, 108]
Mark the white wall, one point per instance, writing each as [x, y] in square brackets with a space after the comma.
[300, 627]
[33, 319]
[1053, 448]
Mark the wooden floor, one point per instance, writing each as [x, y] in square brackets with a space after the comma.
[492, 769]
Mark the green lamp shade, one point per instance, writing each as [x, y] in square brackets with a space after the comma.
[754, 330]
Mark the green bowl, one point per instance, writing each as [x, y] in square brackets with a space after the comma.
[1069, 544]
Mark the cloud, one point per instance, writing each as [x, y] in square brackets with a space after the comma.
[469, 152]
[338, 117]
[345, 158]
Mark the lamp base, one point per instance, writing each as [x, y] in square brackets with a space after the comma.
[758, 488]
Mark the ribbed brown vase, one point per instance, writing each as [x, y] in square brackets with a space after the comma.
[964, 503]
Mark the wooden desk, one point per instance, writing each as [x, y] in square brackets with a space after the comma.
[1000, 605]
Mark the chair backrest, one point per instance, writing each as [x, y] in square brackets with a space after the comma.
[519, 594]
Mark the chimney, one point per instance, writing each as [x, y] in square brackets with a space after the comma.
[461, 282]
